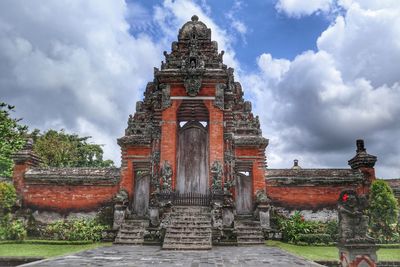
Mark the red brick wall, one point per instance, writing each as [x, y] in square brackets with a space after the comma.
[169, 128]
[307, 197]
[65, 198]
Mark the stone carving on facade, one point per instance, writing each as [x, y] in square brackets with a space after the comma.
[120, 206]
[353, 223]
[166, 96]
[216, 172]
[192, 84]
[166, 176]
[219, 95]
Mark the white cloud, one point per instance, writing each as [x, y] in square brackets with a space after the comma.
[299, 8]
[66, 62]
[322, 101]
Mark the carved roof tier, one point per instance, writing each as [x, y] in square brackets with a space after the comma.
[194, 49]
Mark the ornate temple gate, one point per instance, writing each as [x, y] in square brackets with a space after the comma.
[192, 158]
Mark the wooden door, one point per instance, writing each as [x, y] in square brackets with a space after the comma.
[192, 158]
[244, 203]
[141, 194]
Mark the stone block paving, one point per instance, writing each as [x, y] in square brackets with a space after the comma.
[123, 255]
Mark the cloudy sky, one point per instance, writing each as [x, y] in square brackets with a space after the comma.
[320, 73]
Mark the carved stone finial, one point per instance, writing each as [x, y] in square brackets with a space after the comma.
[362, 158]
[296, 165]
[360, 145]
[195, 18]
[29, 144]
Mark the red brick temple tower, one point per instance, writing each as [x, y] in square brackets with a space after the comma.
[193, 132]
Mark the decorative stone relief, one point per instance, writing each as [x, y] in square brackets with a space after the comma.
[192, 84]
[166, 96]
[216, 172]
[219, 95]
[166, 176]
[353, 223]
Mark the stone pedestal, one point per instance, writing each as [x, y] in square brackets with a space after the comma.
[154, 216]
[264, 216]
[227, 216]
[119, 215]
[357, 255]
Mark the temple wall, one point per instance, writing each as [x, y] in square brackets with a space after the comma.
[65, 189]
[68, 198]
[314, 189]
[307, 197]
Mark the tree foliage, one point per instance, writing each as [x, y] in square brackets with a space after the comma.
[12, 138]
[383, 211]
[60, 149]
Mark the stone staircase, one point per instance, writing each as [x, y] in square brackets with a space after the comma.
[189, 229]
[132, 232]
[249, 232]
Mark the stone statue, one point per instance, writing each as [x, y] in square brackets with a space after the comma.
[166, 176]
[216, 172]
[353, 223]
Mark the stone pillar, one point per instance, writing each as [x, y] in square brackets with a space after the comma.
[264, 215]
[23, 161]
[356, 248]
[357, 255]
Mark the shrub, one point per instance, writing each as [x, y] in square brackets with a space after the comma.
[315, 238]
[383, 211]
[74, 230]
[292, 227]
[12, 229]
[8, 196]
[332, 229]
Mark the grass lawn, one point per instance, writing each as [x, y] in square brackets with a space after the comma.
[330, 252]
[43, 250]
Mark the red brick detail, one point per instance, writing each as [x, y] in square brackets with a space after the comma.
[256, 156]
[216, 132]
[169, 126]
[179, 90]
[18, 177]
[130, 154]
[308, 197]
[67, 198]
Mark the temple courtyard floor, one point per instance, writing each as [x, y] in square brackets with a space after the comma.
[121, 255]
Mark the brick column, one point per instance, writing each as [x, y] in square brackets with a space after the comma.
[169, 128]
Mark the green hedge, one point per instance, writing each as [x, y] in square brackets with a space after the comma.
[75, 230]
[315, 238]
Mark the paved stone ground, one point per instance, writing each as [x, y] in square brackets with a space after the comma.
[119, 255]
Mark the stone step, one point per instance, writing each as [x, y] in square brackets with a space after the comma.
[187, 235]
[187, 242]
[187, 247]
[128, 242]
[191, 238]
[184, 224]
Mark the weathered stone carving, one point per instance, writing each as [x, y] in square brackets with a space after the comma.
[120, 205]
[356, 248]
[219, 95]
[192, 84]
[353, 223]
[166, 176]
[166, 96]
[216, 172]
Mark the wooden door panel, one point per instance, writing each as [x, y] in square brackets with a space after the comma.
[142, 195]
[192, 174]
[244, 203]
